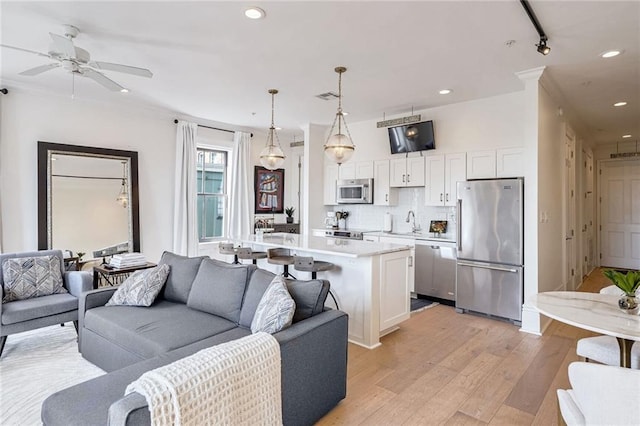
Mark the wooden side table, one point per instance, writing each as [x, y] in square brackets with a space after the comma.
[115, 276]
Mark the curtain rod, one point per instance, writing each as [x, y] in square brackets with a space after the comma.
[212, 128]
[87, 177]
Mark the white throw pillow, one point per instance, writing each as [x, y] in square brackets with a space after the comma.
[141, 288]
[276, 308]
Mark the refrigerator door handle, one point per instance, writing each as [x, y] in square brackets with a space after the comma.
[459, 225]
[494, 268]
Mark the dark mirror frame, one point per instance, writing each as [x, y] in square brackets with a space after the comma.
[44, 148]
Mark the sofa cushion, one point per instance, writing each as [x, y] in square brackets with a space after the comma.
[38, 307]
[141, 287]
[308, 295]
[181, 276]
[218, 288]
[27, 277]
[56, 253]
[275, 310]
[147, 332]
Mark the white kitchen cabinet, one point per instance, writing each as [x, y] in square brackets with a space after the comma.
[509, 162]
[330, 177]
[383, 194]
[407, 172]
[395, 305]
[405, 242]
[364, 170]
[347, 171]
[481, 164]
[443, 174]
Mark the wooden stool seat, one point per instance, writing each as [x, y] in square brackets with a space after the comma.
[281, 256]
[228, 248]
[307, 264]
[249, 254]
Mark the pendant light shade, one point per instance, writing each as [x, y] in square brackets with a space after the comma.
[123, 196]
[272, 157]
[339, 146]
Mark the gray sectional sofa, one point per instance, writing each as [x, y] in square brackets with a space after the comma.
[203, 303]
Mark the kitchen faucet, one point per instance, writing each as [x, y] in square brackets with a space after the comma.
[414, 227]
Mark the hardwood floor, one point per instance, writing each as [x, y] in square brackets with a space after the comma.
[458, 369]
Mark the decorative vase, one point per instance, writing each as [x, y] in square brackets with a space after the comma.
[289, 219]
[629, 304]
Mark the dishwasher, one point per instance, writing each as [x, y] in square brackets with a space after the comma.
[436, 270]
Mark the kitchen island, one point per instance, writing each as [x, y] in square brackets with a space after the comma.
[370, 280]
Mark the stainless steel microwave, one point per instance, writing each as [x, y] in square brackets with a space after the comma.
[354, 191]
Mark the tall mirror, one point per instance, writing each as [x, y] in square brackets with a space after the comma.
[87, 199]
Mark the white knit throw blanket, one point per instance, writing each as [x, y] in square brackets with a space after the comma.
[234, 383]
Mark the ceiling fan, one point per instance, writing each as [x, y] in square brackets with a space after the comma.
[78, 61]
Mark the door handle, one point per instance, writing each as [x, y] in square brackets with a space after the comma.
[459, 225]
[386, 197]
[493, 268]
[447, 197]
[403, 181]
[408, 178]
[441, 196]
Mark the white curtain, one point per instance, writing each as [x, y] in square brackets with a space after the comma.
[185, 235]
[241, 194]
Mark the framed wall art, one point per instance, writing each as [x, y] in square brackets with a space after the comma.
[269, 190]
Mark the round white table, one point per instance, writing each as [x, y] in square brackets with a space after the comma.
[594, 312]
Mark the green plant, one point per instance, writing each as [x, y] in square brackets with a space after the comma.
[629, 282]
[80, 254]
[289, 211]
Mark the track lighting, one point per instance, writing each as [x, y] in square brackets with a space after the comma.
[542, 47]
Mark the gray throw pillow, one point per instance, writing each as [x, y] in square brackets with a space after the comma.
[276, 308]
[141, 288]
[28, 277]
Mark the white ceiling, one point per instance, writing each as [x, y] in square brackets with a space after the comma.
[211, 62]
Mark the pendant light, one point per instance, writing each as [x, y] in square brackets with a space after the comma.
[339, 147]
[123, 196]
[272, 156]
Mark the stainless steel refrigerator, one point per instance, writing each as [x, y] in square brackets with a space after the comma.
[489, 268]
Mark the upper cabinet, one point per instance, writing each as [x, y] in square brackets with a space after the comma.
[407, 172]
[330, 177]
[443, 174]
[481, 164]
[509, 162]
[383, 194]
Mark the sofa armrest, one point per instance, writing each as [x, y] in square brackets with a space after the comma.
[77, 282]
[314, 366]
[132, 409]
[91, 299]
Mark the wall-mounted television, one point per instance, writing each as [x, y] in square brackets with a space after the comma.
[412, 137]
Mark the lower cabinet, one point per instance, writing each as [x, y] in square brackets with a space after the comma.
[436, 270]
[395, 273]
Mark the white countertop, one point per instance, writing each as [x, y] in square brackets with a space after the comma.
[332, 246]
[428, 236]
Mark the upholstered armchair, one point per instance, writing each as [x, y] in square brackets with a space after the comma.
[31, 277]
[600, 395]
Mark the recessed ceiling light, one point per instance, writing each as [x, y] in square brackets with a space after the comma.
[610, 53]
[620, 104]
[445, 91]
[123, 90]
[626, 136]
[254, 13]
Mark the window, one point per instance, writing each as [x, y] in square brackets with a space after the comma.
[212, 193]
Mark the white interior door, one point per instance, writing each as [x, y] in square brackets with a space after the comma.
[620, 214]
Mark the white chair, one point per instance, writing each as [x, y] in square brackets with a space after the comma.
[605, 349]
[600, 395]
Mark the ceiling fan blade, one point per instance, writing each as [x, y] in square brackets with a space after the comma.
[63, 45]
[25, 50]
[108, 66]
[40, 69]
[102, 79]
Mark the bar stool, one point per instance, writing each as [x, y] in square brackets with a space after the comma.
[228, 248]
[307, 264]
[248, 253]
[281, 256]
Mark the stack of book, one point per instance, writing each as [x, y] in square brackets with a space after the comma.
[127, 260]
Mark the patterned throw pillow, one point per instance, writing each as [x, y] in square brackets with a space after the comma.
[27, 277]
[276, 308]
[141, 288]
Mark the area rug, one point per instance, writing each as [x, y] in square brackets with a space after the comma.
[418, 305]
[35, 364]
